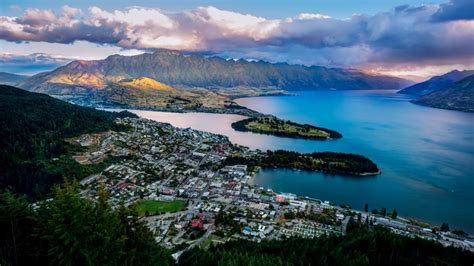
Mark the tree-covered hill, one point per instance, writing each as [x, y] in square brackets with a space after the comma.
[459, 96]
[360, 247]
[33, 127]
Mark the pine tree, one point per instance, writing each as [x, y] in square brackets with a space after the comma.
[394, 214]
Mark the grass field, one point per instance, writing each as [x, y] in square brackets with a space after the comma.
[157, 206]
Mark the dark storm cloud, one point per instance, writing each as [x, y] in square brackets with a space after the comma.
[455, 10]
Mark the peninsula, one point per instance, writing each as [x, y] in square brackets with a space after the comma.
[326, 162]
[271, 125]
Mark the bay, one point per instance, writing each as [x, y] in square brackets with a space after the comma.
[426, 155]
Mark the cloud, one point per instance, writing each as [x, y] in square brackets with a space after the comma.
[30, 64]
[455, 10]
[71, 11]
[406, 34]
[15, 8]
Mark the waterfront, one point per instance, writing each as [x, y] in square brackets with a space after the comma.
[426, 155]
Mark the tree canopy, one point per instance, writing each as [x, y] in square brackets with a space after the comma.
[359, 247]
[72, 230]
[33, 129]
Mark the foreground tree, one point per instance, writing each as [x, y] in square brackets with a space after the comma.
[72, 230]
[79, 231]
[17, 243]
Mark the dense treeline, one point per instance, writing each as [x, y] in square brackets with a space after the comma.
[359, 247]
[242, 126]
[332, 162]
[70, 230]
[32, 131]
[327, 162]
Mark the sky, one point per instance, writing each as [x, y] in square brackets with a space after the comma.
[414, 39]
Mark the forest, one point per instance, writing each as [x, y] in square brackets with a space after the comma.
[72, 230]
[361, 246]
[326, 162]
[270, 125]
[34, 127]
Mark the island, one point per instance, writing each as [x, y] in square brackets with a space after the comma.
[326, 162]
[271, 125]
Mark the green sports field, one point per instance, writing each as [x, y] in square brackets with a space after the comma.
[157, 206]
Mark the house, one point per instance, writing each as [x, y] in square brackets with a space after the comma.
[89, 180]
[197, 224]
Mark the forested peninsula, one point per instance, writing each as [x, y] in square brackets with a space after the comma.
[271, 125]
[326, 162]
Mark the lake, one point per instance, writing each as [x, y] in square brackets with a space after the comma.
[426, 155]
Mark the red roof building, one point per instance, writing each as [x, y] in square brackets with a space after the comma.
[197, 224]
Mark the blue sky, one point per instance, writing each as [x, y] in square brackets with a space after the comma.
[266, 8]
[396, 37]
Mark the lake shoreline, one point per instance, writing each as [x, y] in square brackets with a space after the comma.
[430, 169]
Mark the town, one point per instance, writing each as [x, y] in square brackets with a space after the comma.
[179, 182]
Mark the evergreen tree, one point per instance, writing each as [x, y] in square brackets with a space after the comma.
[78, 231]
[444, 227]
[394, 214]
[71, 230]
[17, 243]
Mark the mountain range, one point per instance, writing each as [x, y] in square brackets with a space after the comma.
[459, 96]
[11, 79]
[436, 83]
[174, 81]
[179, 70]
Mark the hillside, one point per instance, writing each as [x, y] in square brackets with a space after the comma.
[179, 70]
[459, 96]
[11, 79]
[436, 83]
[149, 94]
[145, 83]
[34, 127]
[360, 247]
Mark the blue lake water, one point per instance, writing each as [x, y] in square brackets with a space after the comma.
[426, 155]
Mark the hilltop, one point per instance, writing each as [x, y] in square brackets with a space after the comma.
[145, 83]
